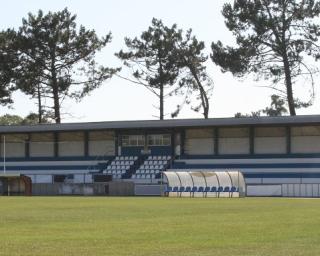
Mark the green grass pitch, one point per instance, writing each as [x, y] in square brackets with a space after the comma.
[158, 226]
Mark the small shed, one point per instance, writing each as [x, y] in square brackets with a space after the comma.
[15, 185]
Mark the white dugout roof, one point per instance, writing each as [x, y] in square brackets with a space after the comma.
[176, 178]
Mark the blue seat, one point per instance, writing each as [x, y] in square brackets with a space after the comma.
[200, 189]
[207, 189]
[220, 189]
[175, 189]
[168, 189]
[188, 189]
[213, 189]
[226, 189]
[233, 189]
[194, 189]
[181, 189]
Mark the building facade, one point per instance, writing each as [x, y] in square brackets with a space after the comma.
[277, 155]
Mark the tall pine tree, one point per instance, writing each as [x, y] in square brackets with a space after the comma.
[8, 64]
[57, 59]
[151, 60]
[276, 39]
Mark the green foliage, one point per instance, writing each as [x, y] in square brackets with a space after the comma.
[145, 226]
[193, 75]
[32, 118]
[8, 63]
[275, 40]
[253, 114]
[151, 59]
[11, 120]
[57, 60]
[277, 107]
[169, 63]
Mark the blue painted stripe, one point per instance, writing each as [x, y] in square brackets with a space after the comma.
[58, 167]
[254, 156]
[182, 165]
[64, 158]
[282, 175]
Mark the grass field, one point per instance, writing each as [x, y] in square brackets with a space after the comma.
[158, 226]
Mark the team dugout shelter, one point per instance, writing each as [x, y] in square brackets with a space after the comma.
[278, 156]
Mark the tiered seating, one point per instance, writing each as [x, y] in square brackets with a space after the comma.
[152, 167]
[121, 166]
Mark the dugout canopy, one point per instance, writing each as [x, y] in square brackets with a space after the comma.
[201, 182]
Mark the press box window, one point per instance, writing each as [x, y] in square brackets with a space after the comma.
[159, 140]
[132, 140]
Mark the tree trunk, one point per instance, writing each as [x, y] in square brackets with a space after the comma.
[203, 94]
[161, 102]
[161, 85]
[288, 82]
[39, 105]
[55, 89]
[56, 103]
[286, 64]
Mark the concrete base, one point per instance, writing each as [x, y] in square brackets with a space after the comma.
[93, 189]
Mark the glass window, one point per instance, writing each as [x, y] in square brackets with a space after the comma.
[166, 140]
[132, 140]
[159, 140]
[125, 140]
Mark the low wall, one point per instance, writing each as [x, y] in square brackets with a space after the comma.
[148, 190]
[94, 189]
[264, 190]
[284, 190]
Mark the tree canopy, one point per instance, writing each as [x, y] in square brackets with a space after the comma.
[168, 63]
[193, 78]
[57, 60]
[8, 63]
[32, 118]
[151, 59]
[276, 39]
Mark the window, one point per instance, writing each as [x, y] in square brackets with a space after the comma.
[132, 140]
[159, 140]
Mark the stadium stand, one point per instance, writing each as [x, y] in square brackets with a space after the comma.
[278, 156]
[121, 166]
[152, 167]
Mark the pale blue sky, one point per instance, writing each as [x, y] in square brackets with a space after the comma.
[120, 100]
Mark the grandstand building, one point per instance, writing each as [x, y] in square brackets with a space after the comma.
[277, 155]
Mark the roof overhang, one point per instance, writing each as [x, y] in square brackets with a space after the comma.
[166, 124]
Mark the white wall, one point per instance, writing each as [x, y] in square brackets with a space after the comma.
[270, 145]
[71, 144]
[264, 190]
[305, 144]
[15, 145]
[42, 145]
[301, 190]
[305, 139]
[99, 148]
[234, 146]
[15, 149]
[199, 142]
[234, 141]
[101, 143]
[199, 146]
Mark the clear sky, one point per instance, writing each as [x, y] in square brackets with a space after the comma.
[120, 100]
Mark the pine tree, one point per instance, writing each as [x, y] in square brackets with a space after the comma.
[276, 39]
[57, 60]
